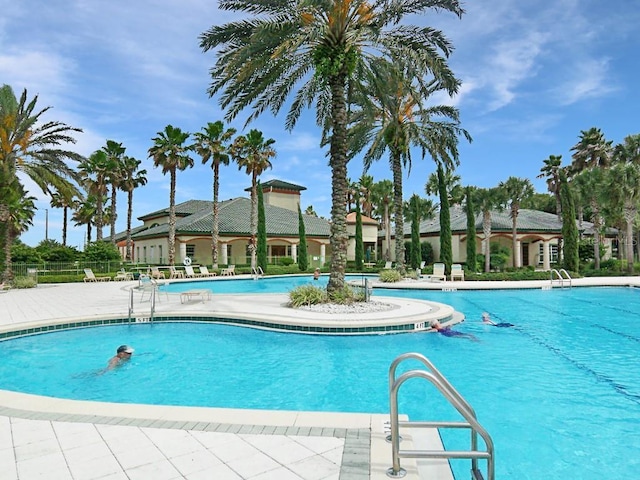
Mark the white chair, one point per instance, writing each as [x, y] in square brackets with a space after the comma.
[204, 272]
[229, 271]
[90, 277]
[388, 265]
[190, 273]
[457, 272]
[438, 272]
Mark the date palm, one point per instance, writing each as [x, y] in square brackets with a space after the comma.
[390, 117]
[515, 191]
[623, 192]
[551, 171]
[131, 179]
[382, 197]
[486, 200]
[252, 152]
[320, 49]
[170, 152]
[213, 144]
[592, 150]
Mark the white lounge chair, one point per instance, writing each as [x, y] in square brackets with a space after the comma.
[90, 277]
[123, 275]
[189, 272]
[457, 272]
[204, 272]
[438, 272]
[175, 273]
[156, 273]
[229, 271]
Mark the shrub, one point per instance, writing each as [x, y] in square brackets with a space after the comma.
[24, 282]
[390, 276]
[101, 252]
[307, 295]
[346, 295]
[286, 261]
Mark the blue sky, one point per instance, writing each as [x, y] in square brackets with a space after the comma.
[534, 74]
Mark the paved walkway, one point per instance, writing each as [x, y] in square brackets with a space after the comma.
[48, 438]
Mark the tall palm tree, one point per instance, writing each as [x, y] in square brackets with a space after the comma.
[382, 197]
[95, 173]
[391, 117]
[85, 214]
[213, 144]
[115, 156]
[325, 47]
[623, 190]
[628, 151]
[515, 191]
[32, 146]
[170, 152]
[131, 179]
[551, 171]
[589, 185]
[592, 150]
[486, 200]
[365, 184]
[455, 192]
[252, 152]
[64, 198]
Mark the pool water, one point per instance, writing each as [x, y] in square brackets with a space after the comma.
[559, 392]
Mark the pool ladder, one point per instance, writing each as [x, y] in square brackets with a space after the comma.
[257, 272]
[432, 375]
[562, 276]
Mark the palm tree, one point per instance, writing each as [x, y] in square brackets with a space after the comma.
[131, 179]
[592, 150]
[252, 152]
[170, 152]
[213, 144]
[628, 151]
[382, 196]
[95, 172]
[487, 199]
[551, 171]
[32, 147]
[65, 198]
[21, 212]
[391, 117]
[589, 185]
[326, 47]
[623, 191]
[455, 192]
[516, 190]
[365, 184]
[85, 213]
[115, 156]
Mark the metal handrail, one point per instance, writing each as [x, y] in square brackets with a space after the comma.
[257, 272]
[130, 304]
[561, 278]
[456, 400]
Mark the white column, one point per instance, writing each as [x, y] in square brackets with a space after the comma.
[183, 251]
[223, 251]
[323, 253]
[517, 256]
[546, 264]
[294, 252]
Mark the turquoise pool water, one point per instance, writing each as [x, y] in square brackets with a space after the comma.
[559, 393]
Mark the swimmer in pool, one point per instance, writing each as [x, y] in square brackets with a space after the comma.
[123, 354]
[447, 332]
[486, 319]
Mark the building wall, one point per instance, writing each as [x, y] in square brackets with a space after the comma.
[288, 200]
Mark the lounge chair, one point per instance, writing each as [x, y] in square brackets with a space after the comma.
[90, 277]
[175, 273]
[4, 288]
[204, 272]
[229, 271]
[457, 272]
[123, 275]
[156, 273]
[438, 272]
[422, 264]
[190, 273]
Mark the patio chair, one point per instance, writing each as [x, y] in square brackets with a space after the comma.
[156, 273]
[174, 273]
[229, 271]
[204, 272]
[457, 272]
[123, 275]
[422, 264]
[189, 272]
[149, 286]
[438, 272]
[90, 277]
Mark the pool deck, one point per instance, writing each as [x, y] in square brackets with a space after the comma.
[49, 438]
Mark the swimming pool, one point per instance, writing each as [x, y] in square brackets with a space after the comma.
[560, 392]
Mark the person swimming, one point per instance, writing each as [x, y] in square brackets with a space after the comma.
[486, 319]
[448, 332]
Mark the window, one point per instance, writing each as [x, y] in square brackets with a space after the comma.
[191, 250]
[144, 254]
[553, 253]
[160, 259]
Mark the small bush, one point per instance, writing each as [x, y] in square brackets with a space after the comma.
[24, 282]
[345, 296]
[307, 295]
[286, 261]
[390, 276]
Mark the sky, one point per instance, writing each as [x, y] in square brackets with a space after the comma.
[534, 73]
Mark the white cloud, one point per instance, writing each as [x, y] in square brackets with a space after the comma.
[589, 80]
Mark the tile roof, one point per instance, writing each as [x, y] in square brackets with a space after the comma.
[280, 185]
[235, 218]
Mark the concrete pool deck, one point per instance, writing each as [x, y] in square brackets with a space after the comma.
[48, 438]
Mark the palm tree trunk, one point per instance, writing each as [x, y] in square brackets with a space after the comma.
[629, 214]
[114, 194]
[514, 235]
[215, 229]
[338, 162]
[128, 256]
[597, 224]
[7, 275]
[254, 216]
[486, 229]
[172, 219]
[396, 167]
[387, 232]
